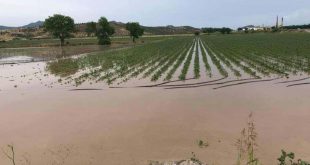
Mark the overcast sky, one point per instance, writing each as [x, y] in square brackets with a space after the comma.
[198, 13]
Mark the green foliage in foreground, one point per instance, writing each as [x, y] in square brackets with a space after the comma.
[246, 144]
[64, 67]
[289, 159]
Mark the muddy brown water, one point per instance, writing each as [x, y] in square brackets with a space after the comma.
[36, 54]
[131, 126]
[93, 124]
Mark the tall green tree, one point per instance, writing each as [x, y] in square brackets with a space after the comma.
[60, 26]
[135, 30]
[91, 28]
[105, 30]
[225, 30]
[197, 33]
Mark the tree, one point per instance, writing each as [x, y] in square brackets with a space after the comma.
[225, 30]
[135, 30]
[91, 28]
[210, 30]
[104, 31]
[59, 26]
[197, 33]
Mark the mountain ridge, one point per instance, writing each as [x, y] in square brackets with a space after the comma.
[30, 25]
[120, 28]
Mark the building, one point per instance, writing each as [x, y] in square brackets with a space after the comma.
[251, 28]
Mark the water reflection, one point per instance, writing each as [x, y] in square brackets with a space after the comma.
[34, 54]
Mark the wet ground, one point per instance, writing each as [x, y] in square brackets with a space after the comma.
[37, 54]
[50, 121]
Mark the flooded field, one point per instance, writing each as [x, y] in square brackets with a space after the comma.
[155, 102]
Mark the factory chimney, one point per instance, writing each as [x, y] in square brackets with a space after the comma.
[282, 22]
[277, 23]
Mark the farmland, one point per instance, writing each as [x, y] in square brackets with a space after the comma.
[234, 57]
[49, 49]
[166, 82]
[162, 98]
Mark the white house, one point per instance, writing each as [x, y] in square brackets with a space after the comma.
[252, 27]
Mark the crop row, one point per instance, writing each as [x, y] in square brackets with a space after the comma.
[153, 58]
[279, 54]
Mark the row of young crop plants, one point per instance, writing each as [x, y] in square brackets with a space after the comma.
[151, 60]
[166, 60]
[262, 55]
[173, 58]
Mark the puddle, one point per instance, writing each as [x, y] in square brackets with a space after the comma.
[18, 59]
[35, 54]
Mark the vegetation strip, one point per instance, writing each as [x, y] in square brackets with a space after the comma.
[178, 64]
[162, 58]
[205, 60]
[196, 61]
[266, 53]
[187, 64]
[171, 61]
[113, 65]
[226, 61]
[216, 62]
[235, 59]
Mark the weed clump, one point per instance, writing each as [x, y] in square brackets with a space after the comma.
[246, 144]
[288, 159]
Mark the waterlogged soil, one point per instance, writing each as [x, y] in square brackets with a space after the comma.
[36, 54]
[50, 122]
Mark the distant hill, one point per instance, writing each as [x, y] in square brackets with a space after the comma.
[31, 25]
[120, 29]
[5, 27]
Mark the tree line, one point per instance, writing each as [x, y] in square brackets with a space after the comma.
[297, 27]
[61, 27]
[223, 30]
